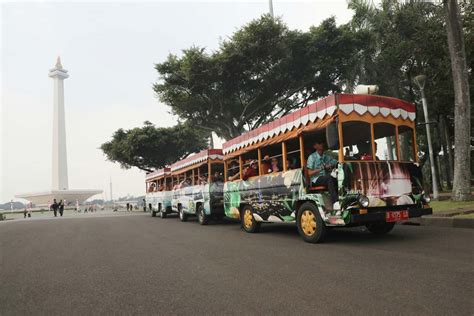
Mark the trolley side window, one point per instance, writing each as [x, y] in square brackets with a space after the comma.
[357, 142]
[405, 140]
[217, 172]
[385, 138]
[233, 169]
[271, 159]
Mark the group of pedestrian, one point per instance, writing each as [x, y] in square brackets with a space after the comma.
[27, 212]
[129, 207]
[91, 208]
[55, 207]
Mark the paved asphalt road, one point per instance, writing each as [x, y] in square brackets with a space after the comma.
[142, 265]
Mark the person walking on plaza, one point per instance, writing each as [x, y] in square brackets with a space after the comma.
[61, 207]
[54, 207]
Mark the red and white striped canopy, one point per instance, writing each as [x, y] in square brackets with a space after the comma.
[158, 173]
[197, 158]
[326, 107]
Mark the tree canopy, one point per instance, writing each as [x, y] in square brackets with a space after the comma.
[263, 71]
[405, 40]
[151, 147]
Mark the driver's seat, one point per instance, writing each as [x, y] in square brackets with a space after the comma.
[307, 183]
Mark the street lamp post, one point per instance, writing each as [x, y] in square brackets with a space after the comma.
[420, 81]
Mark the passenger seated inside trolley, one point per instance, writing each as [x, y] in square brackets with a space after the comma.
[250, 170]
[233, 170]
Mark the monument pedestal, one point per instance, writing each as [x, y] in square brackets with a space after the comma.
[70, 196]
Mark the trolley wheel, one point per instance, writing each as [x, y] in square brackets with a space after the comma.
[182, 216]
[163, 214]
[203, 219]
[153, 213]
[310, 224]
[380, 228]
[248, 222]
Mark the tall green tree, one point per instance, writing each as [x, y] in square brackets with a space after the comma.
[151, 147]
[462, 109]
[263, 71]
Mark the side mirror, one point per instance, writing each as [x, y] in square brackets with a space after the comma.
[332, 135]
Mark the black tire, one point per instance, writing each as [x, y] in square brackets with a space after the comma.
[247, 220]
[310, 224]
[163, 214]
[153, 213]
[380, 228]
[203, 219]
[182, 216]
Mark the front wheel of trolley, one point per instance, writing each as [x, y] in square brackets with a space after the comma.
[310, 224]
[163, 214]
[380, 228]
[248, 222]
[182, 216]
[203, 219]
[153, 213]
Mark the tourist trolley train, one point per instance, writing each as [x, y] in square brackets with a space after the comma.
[372, 140]
[197, 186]
[159, 192]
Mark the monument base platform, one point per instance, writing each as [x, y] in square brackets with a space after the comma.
[70, 196]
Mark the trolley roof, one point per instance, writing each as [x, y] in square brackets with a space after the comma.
[319, 114]
[158, 173]
[198, 158]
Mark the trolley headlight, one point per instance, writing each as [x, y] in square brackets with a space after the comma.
[426, 198]
[363, 201]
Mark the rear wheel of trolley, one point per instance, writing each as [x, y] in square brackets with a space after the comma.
[310, 224]
[163, 212]
[203, 219]
[182, 216]
[248, 222]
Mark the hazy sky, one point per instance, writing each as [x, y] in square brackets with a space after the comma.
[109, 49]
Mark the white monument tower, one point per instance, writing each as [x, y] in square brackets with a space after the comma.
[59, 184]
[59, 180]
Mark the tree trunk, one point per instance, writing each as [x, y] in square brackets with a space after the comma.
[462, 107]
[211, 141]
[438, 173]
[446, 153]
[447, 136]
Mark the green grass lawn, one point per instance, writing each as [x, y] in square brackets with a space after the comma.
[448, 205]
[466, 216]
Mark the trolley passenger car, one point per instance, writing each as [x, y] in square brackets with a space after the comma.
[158, 192]
[197, 186]
[372, 141]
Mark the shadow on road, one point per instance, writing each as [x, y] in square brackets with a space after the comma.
[358, 235]
[354, 235]
[194, 220]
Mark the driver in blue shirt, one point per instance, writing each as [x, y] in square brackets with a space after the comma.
[319, 166]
